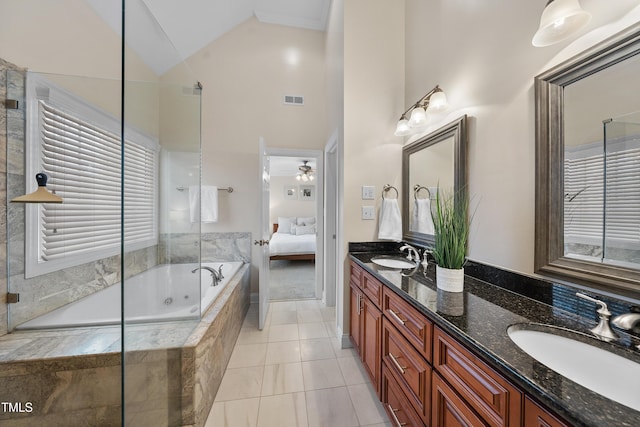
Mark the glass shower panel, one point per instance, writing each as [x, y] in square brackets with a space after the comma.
[622, 196]
[161, 234]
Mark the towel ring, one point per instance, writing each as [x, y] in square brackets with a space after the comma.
[388, 187]
[416, 190]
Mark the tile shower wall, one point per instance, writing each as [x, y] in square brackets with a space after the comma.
[4, 131]
[175, 248]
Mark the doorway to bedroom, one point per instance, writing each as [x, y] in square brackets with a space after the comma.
[294, 204]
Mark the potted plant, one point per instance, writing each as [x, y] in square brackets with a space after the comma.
[451, 225]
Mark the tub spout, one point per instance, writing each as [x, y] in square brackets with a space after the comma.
[215, 275]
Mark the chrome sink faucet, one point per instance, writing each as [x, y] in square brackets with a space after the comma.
[603, 329]
[627, 322]
[412, 253]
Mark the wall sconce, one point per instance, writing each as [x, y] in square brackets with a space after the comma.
[560, 19]
[435, 100]
[41, 195]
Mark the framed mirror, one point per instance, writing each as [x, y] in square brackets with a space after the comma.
[437, 159]
[588, 167]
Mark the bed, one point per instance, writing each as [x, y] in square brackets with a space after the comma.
[293, 246]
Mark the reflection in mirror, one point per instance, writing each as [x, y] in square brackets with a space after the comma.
[588, 166]
[436, 160]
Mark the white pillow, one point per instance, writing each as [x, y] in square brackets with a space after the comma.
[305, 229]
[306, 221]
[285, 224]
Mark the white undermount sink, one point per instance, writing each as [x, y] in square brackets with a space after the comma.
[393, 262]
[599, 370]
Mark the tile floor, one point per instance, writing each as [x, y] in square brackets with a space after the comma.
[293, 373]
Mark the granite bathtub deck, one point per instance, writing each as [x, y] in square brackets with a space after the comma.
[479, 317]
[173, 369]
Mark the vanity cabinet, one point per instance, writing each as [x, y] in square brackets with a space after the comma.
[425, 377]
[366, 322]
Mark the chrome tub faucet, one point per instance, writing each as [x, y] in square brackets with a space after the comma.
[215, 275]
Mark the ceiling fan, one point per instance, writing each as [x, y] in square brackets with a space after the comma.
[306, 172]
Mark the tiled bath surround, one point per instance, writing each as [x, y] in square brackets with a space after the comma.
[172, 369]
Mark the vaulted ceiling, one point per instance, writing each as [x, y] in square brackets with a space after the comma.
[165, 32]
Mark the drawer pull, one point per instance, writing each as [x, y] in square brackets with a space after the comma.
[393, 414]
[395, 315]
[395, 362]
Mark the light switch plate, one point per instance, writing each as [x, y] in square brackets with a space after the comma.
[368, 192]
[368, 212]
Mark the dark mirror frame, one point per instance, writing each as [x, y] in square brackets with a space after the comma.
[549, 230]
[456, 129]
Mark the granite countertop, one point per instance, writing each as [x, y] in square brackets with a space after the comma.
[479, 318]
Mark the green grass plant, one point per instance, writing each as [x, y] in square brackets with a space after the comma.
[451, 225]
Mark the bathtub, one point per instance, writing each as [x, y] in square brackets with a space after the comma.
[166, 292]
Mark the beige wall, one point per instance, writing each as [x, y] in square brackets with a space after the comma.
[281, 206]
[486, 64]
[373, 100]
[245, 75]
[44, 37]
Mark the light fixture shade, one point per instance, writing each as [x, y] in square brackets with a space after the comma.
[438, 101]
[402, 129]
[559, 20]
[418, 118]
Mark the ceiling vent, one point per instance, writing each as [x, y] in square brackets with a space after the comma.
[293, 100]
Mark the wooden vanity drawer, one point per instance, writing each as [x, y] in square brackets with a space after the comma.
[372, 288]
[416, 328]
[537, 416]
[356, 273]
[409, 368]
[494, 399]
[448, 410]
[398, 409]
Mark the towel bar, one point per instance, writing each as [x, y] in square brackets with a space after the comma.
[227, 189]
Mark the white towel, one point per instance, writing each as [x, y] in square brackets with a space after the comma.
[421, 221]
[390, 227]
[208, 202]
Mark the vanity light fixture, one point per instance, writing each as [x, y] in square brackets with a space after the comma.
[435, 100]
[560, 19]
[306, 173]
[41, 195]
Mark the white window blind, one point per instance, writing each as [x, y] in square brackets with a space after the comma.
[584, 195]
[83, 160]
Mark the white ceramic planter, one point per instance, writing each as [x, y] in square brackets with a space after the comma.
[450, 280]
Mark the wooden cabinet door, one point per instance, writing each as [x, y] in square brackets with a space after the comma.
[354, 320]
[370, 341]
[536, 416]
[448, 409]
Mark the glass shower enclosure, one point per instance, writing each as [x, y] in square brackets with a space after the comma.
[114, 270]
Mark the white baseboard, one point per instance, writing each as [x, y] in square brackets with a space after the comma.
[254, 298]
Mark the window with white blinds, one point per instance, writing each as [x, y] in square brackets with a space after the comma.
[584, 179]
[83, 160]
